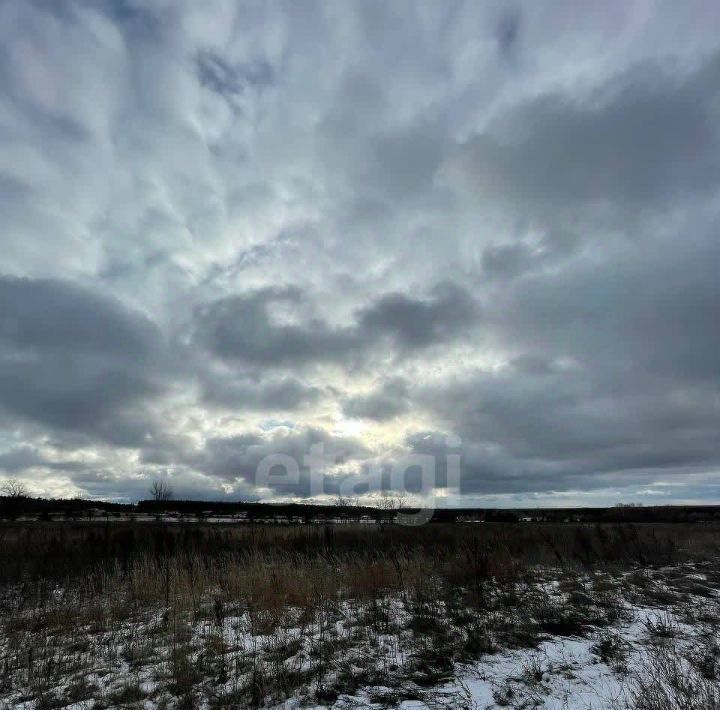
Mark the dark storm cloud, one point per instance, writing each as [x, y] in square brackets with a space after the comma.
[42, 314]
[618, 372]
[647, 311]
[242, 327]
[20, 459]
[488, 469]
[569, 418]
[413, 323]
[647, 136]
[72, 359]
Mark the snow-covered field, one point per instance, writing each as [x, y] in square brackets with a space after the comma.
[640, 639]
[560, 673]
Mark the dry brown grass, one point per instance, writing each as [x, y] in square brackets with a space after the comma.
[189, 595]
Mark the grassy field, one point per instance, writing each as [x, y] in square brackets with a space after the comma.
[163, 616]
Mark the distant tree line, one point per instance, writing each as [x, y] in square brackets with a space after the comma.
[16, 501]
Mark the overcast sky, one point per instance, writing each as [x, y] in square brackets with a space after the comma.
[234, 228]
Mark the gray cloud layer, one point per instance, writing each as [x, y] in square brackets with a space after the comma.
[72, 359]
[243, 327]
[646, 136]
[245, 229]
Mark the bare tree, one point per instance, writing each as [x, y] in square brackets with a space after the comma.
[391, 505]
[12, 488]
[161, 490]
[390, 502]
